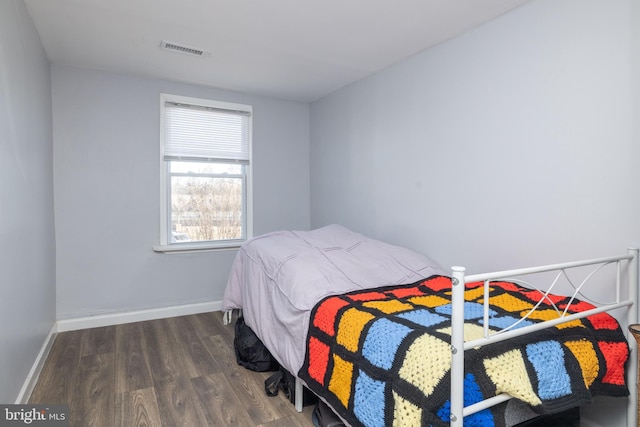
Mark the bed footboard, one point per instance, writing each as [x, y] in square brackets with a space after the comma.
[458, 345]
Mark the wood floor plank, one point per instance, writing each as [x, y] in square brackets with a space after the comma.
[94, 398]
[299, 419]
[225, 333]
[205, 324]
[165, 361]
[178, 404]
[250, 389]
[220, 348]
[132, 368]
[248, 385]
[98, 340]
[57, 379]
[282, 402]
[302, 419]
[197, 359]
[228, 331]
[138, 408]
[221, 405]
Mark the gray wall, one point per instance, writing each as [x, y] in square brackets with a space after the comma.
[27, 245]
[511, 144]
[107, 196]
[515, 144]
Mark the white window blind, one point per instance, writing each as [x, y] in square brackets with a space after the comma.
[201, 133]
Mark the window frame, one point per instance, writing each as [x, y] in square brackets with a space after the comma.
[166, 245]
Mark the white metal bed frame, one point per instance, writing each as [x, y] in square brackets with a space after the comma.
[458, 346]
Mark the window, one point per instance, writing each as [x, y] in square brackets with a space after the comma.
[206, 170]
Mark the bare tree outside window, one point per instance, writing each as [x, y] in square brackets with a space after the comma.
[206, 201]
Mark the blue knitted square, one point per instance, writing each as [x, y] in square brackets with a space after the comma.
[423, 317]
[547, 358]
[472, 394]
[382, 342]
[472, 310]
[502, 322]
[368, 400]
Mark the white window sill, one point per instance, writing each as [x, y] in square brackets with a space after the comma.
[196, 247]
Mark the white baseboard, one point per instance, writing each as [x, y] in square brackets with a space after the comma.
[119, 318]
[34, 373]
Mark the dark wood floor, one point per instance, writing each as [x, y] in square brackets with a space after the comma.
[180, 371]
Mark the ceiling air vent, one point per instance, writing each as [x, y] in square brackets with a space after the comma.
[174, 47]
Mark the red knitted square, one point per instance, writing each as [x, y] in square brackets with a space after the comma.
[325, 317]
[599, 321]
[367, 296]
[578, 306]
[318, 359]
[406, 292]
[536, 296]
[472, 285]
[508, 286]
[615, 354]
[603, 321]
[438, 283]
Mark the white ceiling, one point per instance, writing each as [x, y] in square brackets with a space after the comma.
[290, 49]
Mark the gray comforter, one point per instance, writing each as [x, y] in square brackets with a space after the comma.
[277, 278]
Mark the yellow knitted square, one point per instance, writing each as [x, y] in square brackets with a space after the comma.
[389, 307]
[471, 331]
[341, 377]
[429, 301]
[509, 303]
[350, 327]
[548, 314]
[509, 373]
[551, 314]
[475, 293]
[585, 353]
[405, 413]
[426, 376]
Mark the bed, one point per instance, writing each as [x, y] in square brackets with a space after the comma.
[301, 290]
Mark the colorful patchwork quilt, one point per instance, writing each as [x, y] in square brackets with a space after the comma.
[382, 357]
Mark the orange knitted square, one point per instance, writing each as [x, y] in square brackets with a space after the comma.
[350, 327]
